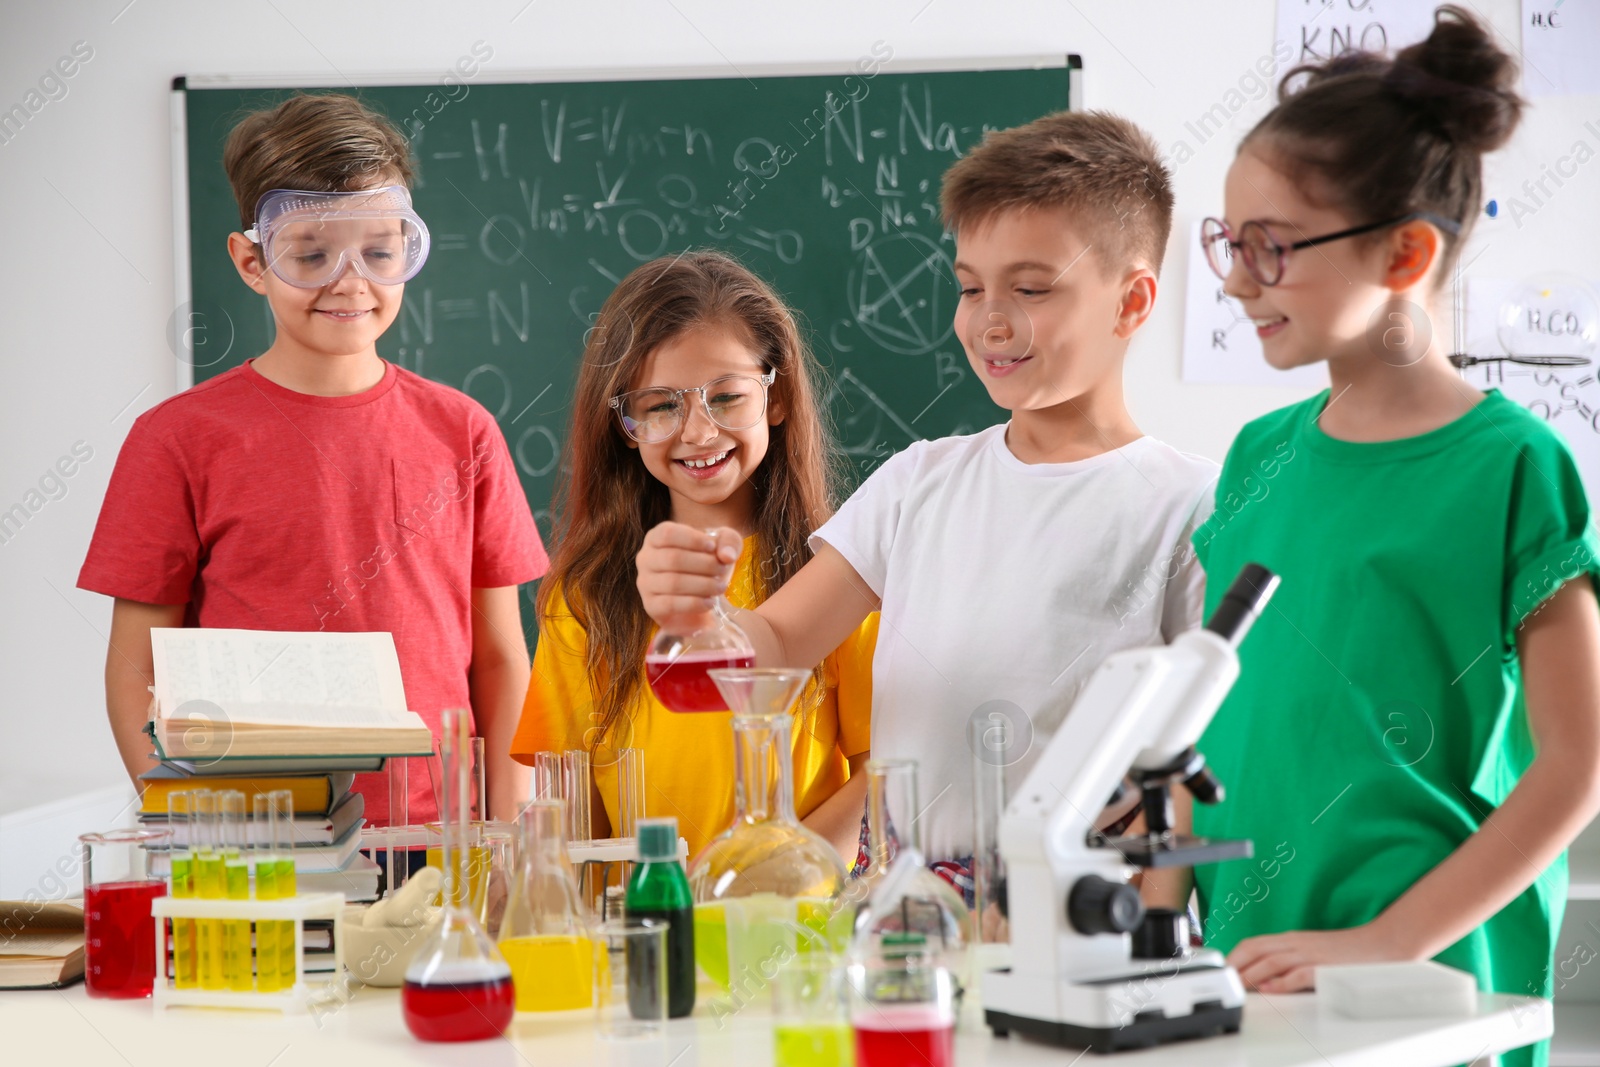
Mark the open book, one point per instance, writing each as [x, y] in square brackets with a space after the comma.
[223, 694]
[41, 945]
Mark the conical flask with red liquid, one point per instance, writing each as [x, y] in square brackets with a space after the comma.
[678, 661]
[920, 911]
[907, 961]
[458, 987]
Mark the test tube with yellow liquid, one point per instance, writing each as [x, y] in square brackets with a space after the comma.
[275, 880]
[185, 961]
[266, 859]
[283, 846]
[209, 884]
[237, 965]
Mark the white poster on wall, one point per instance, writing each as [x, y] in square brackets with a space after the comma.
[1557, 316]
[1220, 346]
[1316, 30]
[1559, 38]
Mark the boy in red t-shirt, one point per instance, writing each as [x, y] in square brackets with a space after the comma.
[317, 486]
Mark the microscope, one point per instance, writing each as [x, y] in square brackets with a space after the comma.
[1090, 965]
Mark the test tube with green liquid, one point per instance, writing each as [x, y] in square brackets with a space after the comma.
[209, 884]
[280, 826]
[185, 963]
[237, 964]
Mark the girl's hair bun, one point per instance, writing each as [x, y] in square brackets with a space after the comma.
[1461, 80]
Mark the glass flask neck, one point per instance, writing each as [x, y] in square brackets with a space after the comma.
[541, 836]
[544, 897]
[453, 804]
[762, 788]
[891, 811]
[721, 618]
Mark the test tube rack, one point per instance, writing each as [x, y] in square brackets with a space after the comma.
[297, 998]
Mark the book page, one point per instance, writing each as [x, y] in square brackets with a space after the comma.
[281, 678]
[42, 942]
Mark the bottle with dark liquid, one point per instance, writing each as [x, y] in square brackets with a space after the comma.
[660, 890]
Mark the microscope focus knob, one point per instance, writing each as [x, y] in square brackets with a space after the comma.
[1099, 906]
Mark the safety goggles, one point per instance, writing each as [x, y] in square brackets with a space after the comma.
[734, 402]
[310, 238]
[1265, 257]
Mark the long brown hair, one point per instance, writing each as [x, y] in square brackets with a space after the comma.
[606, 500]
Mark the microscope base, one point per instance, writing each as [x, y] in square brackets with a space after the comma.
[1204, 1021]
[1201, 997]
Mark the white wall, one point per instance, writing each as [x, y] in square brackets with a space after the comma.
[86, 226]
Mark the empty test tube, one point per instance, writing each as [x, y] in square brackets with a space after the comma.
[575, 790]
[630, 791]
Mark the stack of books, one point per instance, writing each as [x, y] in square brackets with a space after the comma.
[326, 830]
[257, 711]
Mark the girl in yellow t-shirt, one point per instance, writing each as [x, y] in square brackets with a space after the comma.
[730, 435]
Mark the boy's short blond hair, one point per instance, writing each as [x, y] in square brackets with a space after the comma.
[1102, 169]
[324, 142]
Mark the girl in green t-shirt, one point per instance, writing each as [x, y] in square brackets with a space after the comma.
[1415, 736]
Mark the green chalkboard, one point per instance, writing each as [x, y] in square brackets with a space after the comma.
[541, 196]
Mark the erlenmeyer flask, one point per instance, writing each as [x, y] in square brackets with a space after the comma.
[458, 987]
[920, 911]
[677, 664]
[766, 887]
[546, 935]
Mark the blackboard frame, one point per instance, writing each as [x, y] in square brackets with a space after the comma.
[180, 336]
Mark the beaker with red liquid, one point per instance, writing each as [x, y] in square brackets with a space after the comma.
[119, 956]
[458, 986]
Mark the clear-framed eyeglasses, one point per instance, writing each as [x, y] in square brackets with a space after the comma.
[733, 401]
[1266, 258]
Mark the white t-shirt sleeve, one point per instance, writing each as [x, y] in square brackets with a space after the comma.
[1185, 603]
[863, 529]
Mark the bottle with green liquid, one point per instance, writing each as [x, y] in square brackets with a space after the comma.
[660, 890]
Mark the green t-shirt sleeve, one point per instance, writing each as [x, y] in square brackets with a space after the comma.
[1207, 531]
[1549, 538]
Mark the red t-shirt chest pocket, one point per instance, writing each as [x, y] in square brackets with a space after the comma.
[433, 499]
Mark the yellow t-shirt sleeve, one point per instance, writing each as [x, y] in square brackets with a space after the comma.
[853, 659]
[558, 710]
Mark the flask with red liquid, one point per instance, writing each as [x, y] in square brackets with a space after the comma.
[458, 987]
[904, 993]
[677, 662]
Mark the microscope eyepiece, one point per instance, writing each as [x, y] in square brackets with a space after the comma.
[1242, 602]
[1204, 786]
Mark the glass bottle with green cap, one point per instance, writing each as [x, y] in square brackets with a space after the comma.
[660, 890]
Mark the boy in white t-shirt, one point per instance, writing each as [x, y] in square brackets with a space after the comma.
[1010, 562]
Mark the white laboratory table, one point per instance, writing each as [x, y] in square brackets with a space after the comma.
[66, 1028]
